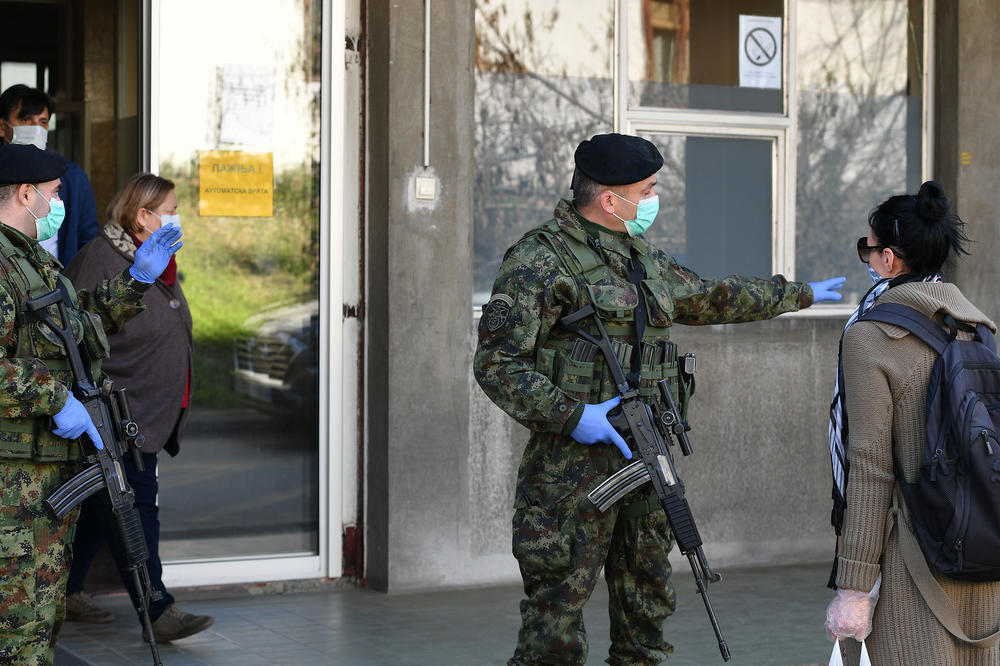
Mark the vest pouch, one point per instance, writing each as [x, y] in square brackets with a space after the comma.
[17, 435]
[31, 438]
[47, 344]
[614, 302]
[686, 392]
[659, 302]
[50, 447]
[650, 374]
[681, 385]
[576, 377]
[545, 363]
[94, 337]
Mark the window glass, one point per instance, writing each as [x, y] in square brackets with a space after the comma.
[238, 133]
[691, 54]
[543, 84]
[859, 126]
[716, 203]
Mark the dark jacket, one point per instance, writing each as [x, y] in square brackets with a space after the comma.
[81, 223]
[151, 356]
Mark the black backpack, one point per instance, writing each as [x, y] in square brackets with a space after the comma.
[954, 505]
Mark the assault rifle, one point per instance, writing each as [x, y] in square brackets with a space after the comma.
[641, 426]
[108, 408]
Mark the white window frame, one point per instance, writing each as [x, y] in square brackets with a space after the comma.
[782, 127]
[338, 397]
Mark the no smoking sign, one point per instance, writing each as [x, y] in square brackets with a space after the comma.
[760, 51]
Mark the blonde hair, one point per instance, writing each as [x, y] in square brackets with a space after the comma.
[142, 190]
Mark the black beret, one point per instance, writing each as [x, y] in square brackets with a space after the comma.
[617, 159]
[21, 163]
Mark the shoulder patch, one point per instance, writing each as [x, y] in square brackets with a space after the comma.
[496, 312]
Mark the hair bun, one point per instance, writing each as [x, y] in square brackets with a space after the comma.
[932, 204]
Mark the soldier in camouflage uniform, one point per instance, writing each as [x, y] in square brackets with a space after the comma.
[592, 252]
[40, 419]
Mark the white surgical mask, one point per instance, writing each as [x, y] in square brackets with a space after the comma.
[171, 220]
[168, 220]
[30, 135]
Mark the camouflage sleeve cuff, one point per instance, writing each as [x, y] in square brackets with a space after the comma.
[574, 420]
[61, 395]
[806, 296]
[127, 289]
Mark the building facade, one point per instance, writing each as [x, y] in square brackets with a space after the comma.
[349, 175]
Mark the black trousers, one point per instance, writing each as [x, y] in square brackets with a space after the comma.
[96, 526]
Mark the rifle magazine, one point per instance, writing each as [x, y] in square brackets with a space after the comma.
[70, 494]
[618, 485]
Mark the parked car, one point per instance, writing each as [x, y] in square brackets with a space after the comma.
[276, 368]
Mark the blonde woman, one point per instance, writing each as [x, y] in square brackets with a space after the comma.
[151, 357]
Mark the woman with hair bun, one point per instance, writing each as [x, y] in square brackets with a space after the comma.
[882, 381]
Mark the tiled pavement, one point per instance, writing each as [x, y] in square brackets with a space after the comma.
[769, 616]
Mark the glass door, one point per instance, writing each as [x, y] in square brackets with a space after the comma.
[235, 124]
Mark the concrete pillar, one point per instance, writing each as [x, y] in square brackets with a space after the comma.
[968, 154]
[419, 265]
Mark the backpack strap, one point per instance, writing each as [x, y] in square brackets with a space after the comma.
[932, 592]
[985, 336]
[912, 320]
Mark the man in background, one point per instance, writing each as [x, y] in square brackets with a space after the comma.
[24, 119]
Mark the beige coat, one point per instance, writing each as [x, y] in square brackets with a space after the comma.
[886, 373]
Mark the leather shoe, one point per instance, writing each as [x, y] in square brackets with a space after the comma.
[175, 624]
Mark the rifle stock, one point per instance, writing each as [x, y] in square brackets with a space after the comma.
[108, 409]
[641, 427]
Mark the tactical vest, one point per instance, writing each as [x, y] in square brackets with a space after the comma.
[31, 437]
[616, 300]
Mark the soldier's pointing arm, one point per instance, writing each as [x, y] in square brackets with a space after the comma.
[528, 298]
[732, 299]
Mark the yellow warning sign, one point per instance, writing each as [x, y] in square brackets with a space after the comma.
[233, 183]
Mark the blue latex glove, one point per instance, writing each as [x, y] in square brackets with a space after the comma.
[154, 254]
[595, 428]
[824, 289]
[73, 420]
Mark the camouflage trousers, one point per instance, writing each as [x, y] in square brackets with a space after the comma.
[35, 552]
[561, 541]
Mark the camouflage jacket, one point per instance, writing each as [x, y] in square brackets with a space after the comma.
[534, 289]
[29, 386]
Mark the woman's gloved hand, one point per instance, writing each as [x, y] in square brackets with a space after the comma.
[824, 289]
[850, 613]
[154, 254]
[73, 420]
[595, 428]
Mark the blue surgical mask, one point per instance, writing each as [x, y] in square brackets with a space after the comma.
[645, 213]
[48, 226]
